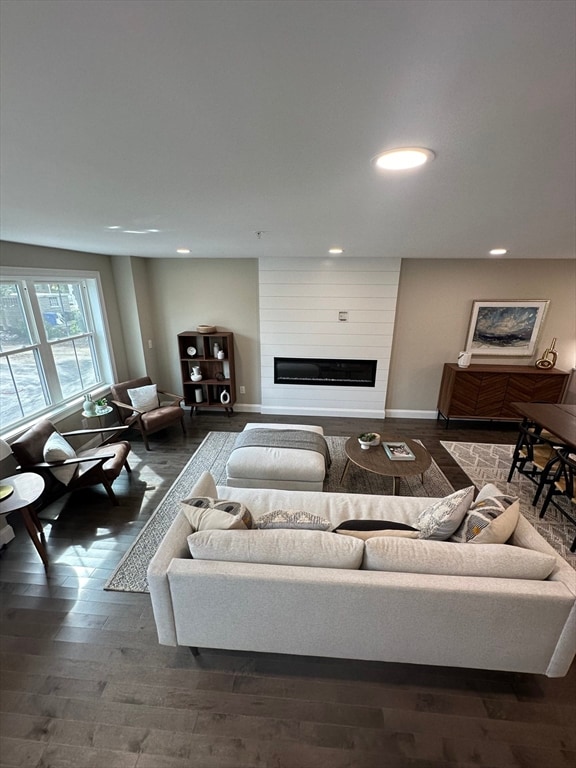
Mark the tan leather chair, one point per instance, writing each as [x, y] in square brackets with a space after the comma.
[146, 422]
[94, 466]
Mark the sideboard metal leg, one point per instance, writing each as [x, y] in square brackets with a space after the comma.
[194, 651]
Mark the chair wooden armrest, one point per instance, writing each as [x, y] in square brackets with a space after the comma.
[64, 462]
[119, 428]
[177, 398]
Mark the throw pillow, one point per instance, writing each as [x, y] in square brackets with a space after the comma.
[491, 520]
[144, 398]
[57, 448]
[441, 519]
[365, 535]
[293, 519]
[373, 525]
[203, 513]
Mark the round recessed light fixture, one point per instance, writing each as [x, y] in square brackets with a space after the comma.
[114, 227]
[335, 251]
[498, 252]
[403, 158]
[183, 250]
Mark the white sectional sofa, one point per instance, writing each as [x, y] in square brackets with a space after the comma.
[490, 606]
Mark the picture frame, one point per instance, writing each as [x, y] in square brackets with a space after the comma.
[506, 328]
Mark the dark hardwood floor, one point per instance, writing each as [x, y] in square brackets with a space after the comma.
[85, 684]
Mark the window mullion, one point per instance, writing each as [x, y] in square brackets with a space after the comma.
[43, 350]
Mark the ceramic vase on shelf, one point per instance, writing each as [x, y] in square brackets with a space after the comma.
[221, 355]
[215, 349]
[89, 406]
[225, 397]
[198, 394]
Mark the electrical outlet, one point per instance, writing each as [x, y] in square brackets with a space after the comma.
[150, 345]
[242, 390]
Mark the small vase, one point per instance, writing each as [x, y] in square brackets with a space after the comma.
[225, 397]
[221, 355]
[89, 406]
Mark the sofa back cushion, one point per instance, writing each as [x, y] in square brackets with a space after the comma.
[450, 559]
[315, 549]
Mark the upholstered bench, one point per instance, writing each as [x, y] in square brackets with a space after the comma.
[276, 466]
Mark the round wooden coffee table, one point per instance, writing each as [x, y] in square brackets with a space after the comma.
[375, 460]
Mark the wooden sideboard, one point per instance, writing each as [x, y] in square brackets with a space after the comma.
[487, 391]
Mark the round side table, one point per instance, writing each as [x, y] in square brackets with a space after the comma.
[28, 488]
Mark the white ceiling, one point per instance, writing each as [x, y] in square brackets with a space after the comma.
[211, 120]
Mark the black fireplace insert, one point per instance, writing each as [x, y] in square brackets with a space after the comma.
[339, 373]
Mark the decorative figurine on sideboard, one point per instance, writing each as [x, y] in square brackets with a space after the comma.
[548, 359]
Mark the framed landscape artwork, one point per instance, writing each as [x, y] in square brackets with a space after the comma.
[508, 328]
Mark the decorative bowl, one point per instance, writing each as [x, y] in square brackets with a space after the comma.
[206, 329]
[369, 439]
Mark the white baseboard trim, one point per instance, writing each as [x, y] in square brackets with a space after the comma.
[6, 534]
[396, 413]
[247, 408]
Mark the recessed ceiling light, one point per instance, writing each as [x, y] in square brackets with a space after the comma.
[152, 230]
[403, 158]
[115, 227]
[336, 250]
[498, 252]
[183, 250]
[134, 231]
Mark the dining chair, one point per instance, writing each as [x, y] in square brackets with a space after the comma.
[534, 454]
[561, 483]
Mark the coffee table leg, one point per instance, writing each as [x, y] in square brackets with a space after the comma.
[344, 471]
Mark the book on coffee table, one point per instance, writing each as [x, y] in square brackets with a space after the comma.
[398, 452]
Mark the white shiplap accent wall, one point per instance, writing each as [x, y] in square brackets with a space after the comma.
[299, 304]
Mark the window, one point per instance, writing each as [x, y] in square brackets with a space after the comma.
[53, 343]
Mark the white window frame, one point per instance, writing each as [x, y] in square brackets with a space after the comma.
[95, 309]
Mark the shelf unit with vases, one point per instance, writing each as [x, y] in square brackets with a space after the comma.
[217, 387]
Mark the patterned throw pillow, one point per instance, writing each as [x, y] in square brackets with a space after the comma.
[440, 520]
[57, 448]
[491, 520]
[144, 398]
[292, 519]
[204, 513]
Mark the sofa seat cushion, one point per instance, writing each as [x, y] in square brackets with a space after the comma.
[315, 549]
[446, 558]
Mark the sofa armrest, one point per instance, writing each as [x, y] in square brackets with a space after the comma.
[173, 545]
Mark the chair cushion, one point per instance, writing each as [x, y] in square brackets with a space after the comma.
[57, 448]
[144, 398]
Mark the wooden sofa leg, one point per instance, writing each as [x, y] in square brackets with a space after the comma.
[194, 651]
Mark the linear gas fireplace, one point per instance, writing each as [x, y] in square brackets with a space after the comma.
[333, 373]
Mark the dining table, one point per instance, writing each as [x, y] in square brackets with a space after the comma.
[557, 418]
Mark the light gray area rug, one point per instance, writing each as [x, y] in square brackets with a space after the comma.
[212, 455]
[489, 463]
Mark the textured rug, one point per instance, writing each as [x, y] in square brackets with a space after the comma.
[212, 455]
[489, 463]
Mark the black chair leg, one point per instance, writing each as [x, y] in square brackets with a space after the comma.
[194, 651]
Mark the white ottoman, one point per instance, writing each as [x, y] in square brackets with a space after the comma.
[287, 469]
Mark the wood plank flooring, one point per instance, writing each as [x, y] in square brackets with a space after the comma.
[84, 683]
